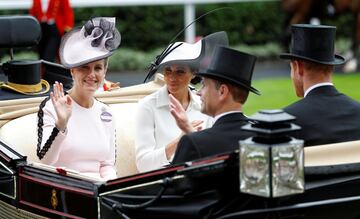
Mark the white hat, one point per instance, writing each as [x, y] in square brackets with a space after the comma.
[182, 52]
[196, 55]
[96, 40]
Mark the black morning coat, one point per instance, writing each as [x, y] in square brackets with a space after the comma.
[222, 137]
[326, 116]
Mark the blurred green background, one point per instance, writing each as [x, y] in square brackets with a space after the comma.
[255, 27]
[279, 92]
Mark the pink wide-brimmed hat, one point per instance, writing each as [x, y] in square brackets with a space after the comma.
[96, 40]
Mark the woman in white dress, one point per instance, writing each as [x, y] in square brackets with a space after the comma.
[156, 132]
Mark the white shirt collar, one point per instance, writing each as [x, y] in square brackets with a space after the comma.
[316, 86]
[223, 114]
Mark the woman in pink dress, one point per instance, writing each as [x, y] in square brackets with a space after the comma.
[75, 130]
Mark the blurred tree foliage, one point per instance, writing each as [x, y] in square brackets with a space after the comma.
[145, 28]
[141, 28]
[148, 27]
[245, 23]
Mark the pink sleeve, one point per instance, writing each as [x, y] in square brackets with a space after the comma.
[107, 167]
[49, 119]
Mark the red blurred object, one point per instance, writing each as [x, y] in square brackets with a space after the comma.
[61, 171]
[105, 87]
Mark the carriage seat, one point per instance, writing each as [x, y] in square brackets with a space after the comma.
[332, 154]
[24, 139]
[18, 129]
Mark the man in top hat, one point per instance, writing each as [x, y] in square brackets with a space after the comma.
[225, 88]
[325, 114]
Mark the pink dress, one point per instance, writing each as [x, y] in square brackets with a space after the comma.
[88, 144]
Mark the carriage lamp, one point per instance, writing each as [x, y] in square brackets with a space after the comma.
[271, 162]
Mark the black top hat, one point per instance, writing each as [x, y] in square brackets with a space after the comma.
[24, 77]
[233, 66]
[313, 43]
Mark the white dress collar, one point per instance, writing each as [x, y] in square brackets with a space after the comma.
[163, 99]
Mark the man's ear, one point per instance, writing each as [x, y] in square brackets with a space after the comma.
[300, 67]
[223, 91]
